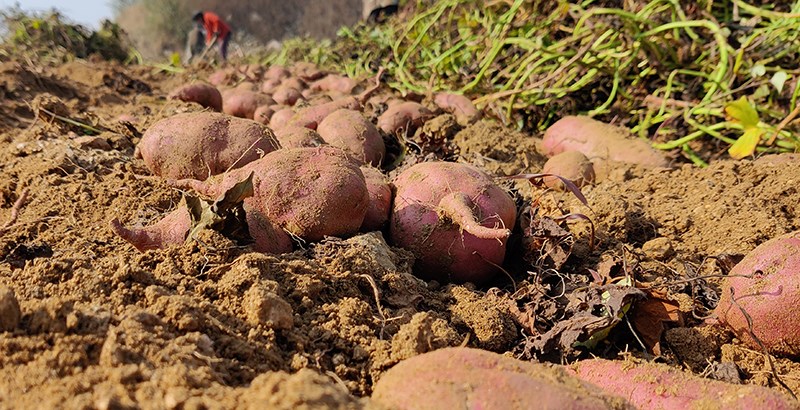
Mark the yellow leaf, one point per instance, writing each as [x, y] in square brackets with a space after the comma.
[741, 110]
[746, 144]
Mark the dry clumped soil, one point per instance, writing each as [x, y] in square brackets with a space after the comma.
[87, 321]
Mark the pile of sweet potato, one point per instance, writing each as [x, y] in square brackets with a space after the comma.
[314, 158]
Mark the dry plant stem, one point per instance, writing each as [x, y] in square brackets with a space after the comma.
[760, 344]
[783, 124]
[18, 204]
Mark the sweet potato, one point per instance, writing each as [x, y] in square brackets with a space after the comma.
[173, 229]
[354, 133]
[464, 378]
[380, 199]
[243, 103]
[222, 77]
[308, 192]
[280, 118]
[286, 95]
[454, 219]
[307, 71]
[298, 137]
[269, 86]
[334, 82]
[310, 117]
[571, 165]
[602, 143]
[294, 82]
[460, 106]
[404, 117]
[766, 285]
[263, 114]
[204, 94]
[277, 72]
[200, 144]
[658, 386]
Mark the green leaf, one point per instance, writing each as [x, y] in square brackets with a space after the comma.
[778, 79]
[746, 144]
[758, 70]
[741, 110]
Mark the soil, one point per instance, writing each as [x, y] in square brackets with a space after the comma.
[92, 322]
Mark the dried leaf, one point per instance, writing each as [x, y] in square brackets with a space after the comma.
[226, 215]
[650, 315]
[567, 183]
[593, 313]
[544, 241]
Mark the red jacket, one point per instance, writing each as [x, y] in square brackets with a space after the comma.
[214, 25]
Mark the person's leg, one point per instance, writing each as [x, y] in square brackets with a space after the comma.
[223, 46]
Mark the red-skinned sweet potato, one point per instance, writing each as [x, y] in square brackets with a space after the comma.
[658, 386]
[380, 199]
[200, 144]
[286, 95]
[460, 106]
[269, 86]
[464, 378]
[766, 285]
[263, 114]
[243, 103]
[222, 77]
[571, 165]
[309, 192]
[204, 94]
[298, 137]
[277, 72]
[404, 117]
[454, 219]
[281, 118]
[354, 133]
[602, 143]
[173, 229]
[307, 71]
[335, 83]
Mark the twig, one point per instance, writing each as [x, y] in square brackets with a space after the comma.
[18, 204]
[760, 343]
[783, 124]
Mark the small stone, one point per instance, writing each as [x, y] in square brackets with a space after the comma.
[658, 248]
[9, 310]
[263, 307]
[89, 141]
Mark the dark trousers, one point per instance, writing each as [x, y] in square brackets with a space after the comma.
[223, 45]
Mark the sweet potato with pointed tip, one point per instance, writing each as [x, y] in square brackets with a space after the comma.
[455, 220]
[173, 229]
[460, 106]
[354, 133]
[380, 199]
[309, 192]
[766, 285]
[404, 117]
[658, 386]
[200, 144]
[602, 143]
[465, 378]
[204, 94]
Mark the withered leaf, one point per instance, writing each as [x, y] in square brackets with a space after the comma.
[650, 315]
[594, 313]
[225, 215]
[544, 241]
